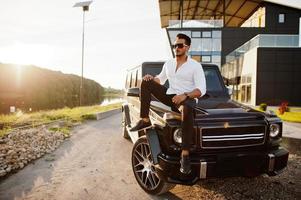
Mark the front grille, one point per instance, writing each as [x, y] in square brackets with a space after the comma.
[231, 137]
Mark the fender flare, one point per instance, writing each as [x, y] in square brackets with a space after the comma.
[154, 144]
[125, 108]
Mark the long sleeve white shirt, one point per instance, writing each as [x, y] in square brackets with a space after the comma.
[188, 77]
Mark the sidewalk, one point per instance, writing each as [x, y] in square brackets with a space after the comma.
[291, 130]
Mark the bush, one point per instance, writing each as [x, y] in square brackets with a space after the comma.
[283, 108]
[263, 106]
[89, 117]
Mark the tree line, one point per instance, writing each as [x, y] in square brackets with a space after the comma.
[34, 88]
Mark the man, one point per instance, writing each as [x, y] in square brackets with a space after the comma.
[186, 82]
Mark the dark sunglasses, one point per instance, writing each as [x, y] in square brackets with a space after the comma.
[179, 46]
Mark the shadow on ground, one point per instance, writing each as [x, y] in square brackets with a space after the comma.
[284, 186]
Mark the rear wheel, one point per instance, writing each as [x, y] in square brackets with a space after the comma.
[125, 133]
[144, 169]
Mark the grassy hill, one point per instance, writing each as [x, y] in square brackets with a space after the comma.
[34, 88]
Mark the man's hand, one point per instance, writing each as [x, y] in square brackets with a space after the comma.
[148, 77]
[179, 99]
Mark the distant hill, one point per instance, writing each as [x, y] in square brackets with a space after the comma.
[32, 87]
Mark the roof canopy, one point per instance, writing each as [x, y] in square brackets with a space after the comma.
[235, 12]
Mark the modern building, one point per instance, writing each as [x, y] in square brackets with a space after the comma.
[255, 43]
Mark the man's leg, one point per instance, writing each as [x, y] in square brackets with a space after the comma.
[187, 134]
[149, 88]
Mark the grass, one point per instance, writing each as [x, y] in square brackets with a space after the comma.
[294, 115]
[73, 115]
[64, 130]
[290, 116]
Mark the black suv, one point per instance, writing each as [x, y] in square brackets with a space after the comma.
[230, 139]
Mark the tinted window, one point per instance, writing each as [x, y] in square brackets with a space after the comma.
[152, 70]
[126, 81]
[213, 82]
[155, 71]
[130, 81]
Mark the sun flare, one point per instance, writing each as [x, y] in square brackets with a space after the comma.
[26, 54]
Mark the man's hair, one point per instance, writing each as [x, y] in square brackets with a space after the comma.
[185, 37]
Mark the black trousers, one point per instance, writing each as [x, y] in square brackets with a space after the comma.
[149, 88]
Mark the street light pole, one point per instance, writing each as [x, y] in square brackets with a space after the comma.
[83, 53]
[85, 5]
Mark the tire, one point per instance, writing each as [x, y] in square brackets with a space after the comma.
[125, 133]
[144, 170]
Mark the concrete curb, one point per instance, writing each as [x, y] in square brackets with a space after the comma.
[106, 114]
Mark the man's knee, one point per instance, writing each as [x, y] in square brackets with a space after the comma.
[189, 103]
[145, 83]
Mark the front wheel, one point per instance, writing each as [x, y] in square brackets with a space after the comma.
[144, 170]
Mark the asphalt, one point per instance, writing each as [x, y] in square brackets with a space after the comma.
[292, 130]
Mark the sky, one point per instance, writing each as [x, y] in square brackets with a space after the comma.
[119, 34]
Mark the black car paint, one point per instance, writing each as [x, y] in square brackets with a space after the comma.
[213, 109]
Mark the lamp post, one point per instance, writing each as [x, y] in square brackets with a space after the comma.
[85, 5]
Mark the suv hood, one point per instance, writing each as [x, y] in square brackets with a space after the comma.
[217, 107]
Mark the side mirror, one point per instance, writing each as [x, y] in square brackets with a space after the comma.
[226, 81]
[230, 91]
[133, 92]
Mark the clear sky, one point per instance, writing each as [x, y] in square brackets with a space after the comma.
[47, 33]
[119, 34]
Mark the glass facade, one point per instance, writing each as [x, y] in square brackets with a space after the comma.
[240, 69]
[262, 40]
[216, 23]
[205, 44]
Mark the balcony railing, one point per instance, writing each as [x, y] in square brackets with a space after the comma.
[216, 23]
[264, 40]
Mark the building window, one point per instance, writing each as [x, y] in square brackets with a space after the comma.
[248, 94]
[196, 57]
[206, 44]
[206, 34]
[281, 18]
[196, 34]
[206, 58]
[216, 34]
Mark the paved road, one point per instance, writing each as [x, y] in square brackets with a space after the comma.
[95, 164]
[292, 130]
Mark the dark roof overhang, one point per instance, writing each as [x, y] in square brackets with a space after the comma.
[235, 12]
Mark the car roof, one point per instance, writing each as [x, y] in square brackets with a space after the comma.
[161, 63]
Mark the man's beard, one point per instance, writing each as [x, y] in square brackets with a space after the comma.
[180, 54]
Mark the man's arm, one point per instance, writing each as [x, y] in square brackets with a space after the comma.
[196, 93]
[157, 80]
[182, 97]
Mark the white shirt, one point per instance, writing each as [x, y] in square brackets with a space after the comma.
[188, 77]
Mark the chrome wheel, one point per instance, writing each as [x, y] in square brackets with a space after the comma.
[143, 167]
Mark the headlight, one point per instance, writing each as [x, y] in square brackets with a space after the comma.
[177, 135]
[274, 130]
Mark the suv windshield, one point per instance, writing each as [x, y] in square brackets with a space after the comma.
[213, 82]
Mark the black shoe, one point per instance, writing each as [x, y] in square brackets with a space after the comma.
[141, 124]
[185, 165]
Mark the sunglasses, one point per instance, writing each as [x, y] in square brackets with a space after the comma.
[179, 46]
